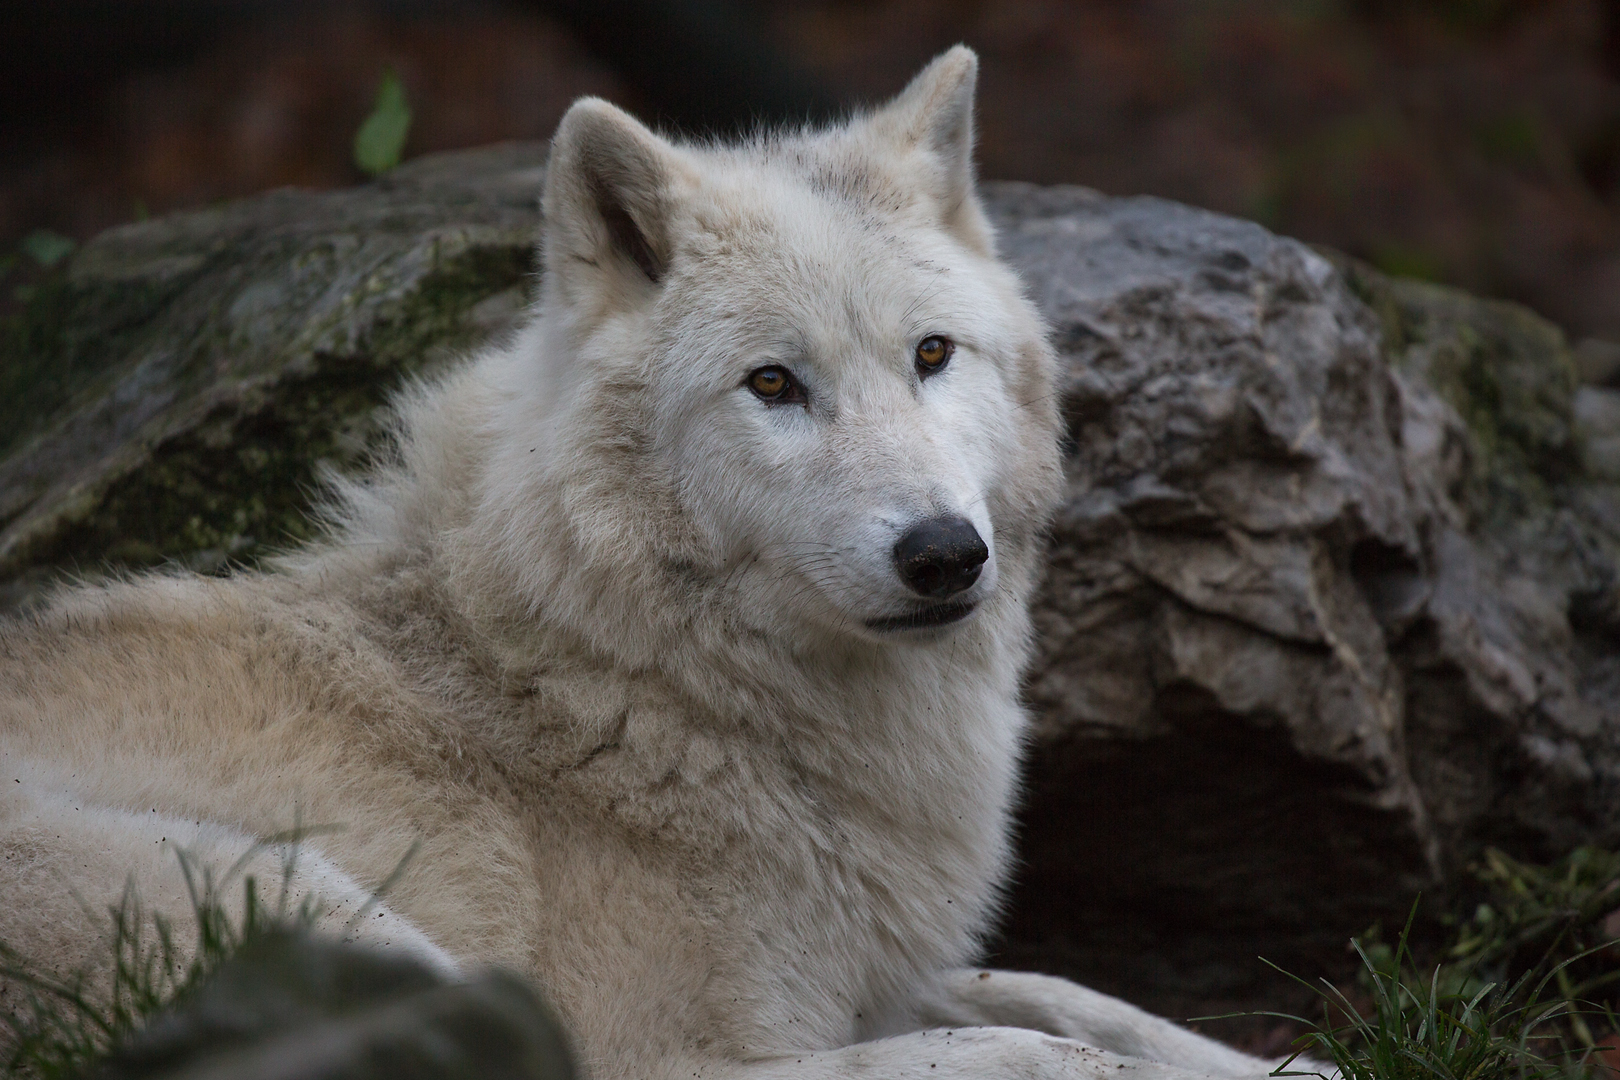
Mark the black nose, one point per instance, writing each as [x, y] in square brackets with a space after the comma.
[941, 556]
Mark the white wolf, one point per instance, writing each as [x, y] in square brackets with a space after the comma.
[684, 635]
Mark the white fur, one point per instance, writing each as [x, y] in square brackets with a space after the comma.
[600, 640]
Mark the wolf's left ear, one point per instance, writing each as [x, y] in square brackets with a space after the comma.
[610, 185]
[934, 114]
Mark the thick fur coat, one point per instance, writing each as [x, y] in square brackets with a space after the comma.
[626, 639]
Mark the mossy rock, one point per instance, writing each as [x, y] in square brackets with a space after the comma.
[174, 392]
[1509, 373]
[291, 1006]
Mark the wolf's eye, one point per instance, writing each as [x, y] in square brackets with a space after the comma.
[774, 385]
[932, 353]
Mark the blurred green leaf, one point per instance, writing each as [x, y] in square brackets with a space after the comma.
[381, 139]
[1407, 261]
[47, 248]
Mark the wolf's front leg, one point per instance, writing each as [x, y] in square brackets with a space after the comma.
[965, 996]
[65, 861]
[967, 1053]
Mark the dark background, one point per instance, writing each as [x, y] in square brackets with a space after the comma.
[1469, 141]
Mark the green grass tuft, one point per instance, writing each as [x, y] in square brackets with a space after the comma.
[1403, 1027]
[66, 1023]
[1523, 989]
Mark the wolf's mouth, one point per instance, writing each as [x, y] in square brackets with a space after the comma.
[937, 615]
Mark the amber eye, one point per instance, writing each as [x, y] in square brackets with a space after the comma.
[773, 384]
[932, 353]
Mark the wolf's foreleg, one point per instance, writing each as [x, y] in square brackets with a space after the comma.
[66, 861]
[1063, 1008]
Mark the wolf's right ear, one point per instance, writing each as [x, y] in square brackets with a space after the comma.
[934, 114]
[609, 188]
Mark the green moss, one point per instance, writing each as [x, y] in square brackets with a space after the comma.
[63, 339]
[1507, 371]
[235, 485]
[1372, 289]
[240, 484]
[435, 317]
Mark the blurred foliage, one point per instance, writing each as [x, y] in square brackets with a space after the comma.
[1478, 140]
[1563, 918]
[380, 142]
[47, 248]
[39, 251]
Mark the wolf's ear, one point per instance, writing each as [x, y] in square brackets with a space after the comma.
[609, 189]
[934, 114]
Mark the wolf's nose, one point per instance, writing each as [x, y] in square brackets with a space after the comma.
[941, 556]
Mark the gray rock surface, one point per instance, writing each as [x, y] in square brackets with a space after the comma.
[289, 1007]
[175, 393]
[1332, 598]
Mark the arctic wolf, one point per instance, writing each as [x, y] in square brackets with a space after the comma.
[683, 635]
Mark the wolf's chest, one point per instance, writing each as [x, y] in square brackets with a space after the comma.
[848, 896]
[817, 877]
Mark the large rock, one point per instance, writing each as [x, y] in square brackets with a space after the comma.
[1330, 603]
[286, 1006]
[1333, 594]
[176, 392]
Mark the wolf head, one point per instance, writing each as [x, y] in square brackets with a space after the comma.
[782, 390]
